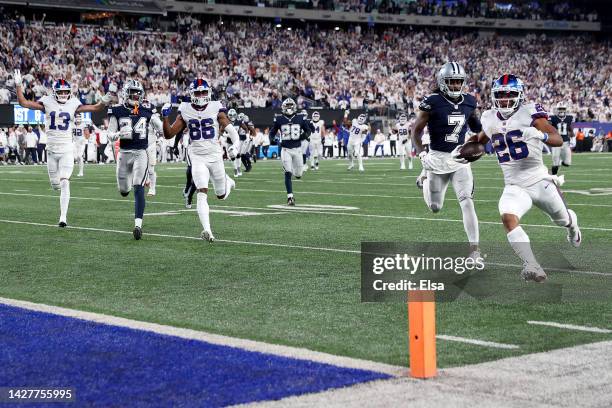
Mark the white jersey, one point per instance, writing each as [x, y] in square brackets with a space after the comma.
[318, 130]
[403, 130]
[520, 158]
[78, 132]
[59, 119]
[203, 127]
[154, 130]
[358, 132]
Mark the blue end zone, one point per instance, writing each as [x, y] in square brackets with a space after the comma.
[116, 366]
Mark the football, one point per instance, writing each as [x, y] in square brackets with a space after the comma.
[472, 151]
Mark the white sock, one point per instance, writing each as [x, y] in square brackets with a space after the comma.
[470, 220]
[138, 222]
[426, 191]
[289, 195]
[410, 162]
[81, 165]
[360, 161]
[203, 211]
[519, 241]
[152, 179]
[402, 161]
[64, 198]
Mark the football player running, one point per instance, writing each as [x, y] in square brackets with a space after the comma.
[357, 133]
[205, 121]
[60, 108]
[293, 129]
[563, 123]
[403, 128]
[154, 132]
[130, 122]
[246, 133]
[518, 130]
[80, 134]
[447, 113]
[235, 147]
[316, 137]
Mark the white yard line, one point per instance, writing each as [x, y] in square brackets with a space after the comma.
[476, 342]
[571, 327]
[270, 244]
[329, 213]
[245, 344]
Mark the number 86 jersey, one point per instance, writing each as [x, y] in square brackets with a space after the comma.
[202, 127]
[519, 155]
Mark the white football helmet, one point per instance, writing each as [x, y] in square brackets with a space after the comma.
[289, 107]
[132, 92]
[448, 77]
[361, 119]
[316, 116]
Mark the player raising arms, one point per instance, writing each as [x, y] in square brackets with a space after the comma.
[205, 121]
[447, 113]
[130, 122]
[60, 110]
[80, 133]
[357, 133]
[293, 129]
[316, 148]
[518, 131]
[563, 123]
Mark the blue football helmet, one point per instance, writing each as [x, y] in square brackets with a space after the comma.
[507, 94]
[200, 92]
[62, 90]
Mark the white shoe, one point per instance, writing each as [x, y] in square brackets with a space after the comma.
[402, 167]
[475, 256]
[419, 180]
[187, 203]
[350, 167]
[207, 236]
[231, 186]
[80, 175]
[361, 169]
[151, 193]
[533, 272]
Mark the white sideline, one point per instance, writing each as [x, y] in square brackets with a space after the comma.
[570, 327]
[250, 345]
[478, 342]
[271, 244]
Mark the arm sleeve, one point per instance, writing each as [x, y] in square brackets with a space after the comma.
[426, 105]
[157, 123]
[232, 134]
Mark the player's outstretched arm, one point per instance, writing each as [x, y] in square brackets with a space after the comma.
[417, 131]
[178, 126]
[550, 135]
[104, 102]
[20, 97]
[345, 121]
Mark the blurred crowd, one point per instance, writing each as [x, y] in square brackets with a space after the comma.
[515, 9]
[256, 64]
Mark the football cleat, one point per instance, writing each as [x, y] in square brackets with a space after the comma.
[230, 186]
[361, 169]
[574, 236]
[419, 180]
[137, 233]
[207, 236]
[80, 175]
[187, 202]
[533, 272]
[62, 224]
[291, 201]
[151, 193]
[402, 167]
[350, 167]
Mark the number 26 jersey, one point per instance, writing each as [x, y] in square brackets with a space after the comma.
[520, 158]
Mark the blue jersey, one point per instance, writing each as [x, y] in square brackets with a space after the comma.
[137, 119]
[448, 121]
[563, 126]
[292, 130]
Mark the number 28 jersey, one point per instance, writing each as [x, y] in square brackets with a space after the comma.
[292, 130]
[202, 126]
[519, 158]
[59, 119]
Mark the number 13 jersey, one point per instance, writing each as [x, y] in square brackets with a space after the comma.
[202, 127]
[519, 158]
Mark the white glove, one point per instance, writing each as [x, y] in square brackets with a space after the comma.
[112, 88]
[533, 133]
[231, 152]
[125, 132]
[346, 113]
[456, 153]
[17, 78]
[422, 155]
[113, 136]
[107, 98]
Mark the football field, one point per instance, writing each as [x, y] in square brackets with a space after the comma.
[290, 276]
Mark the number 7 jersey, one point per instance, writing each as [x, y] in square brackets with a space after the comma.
[520, 158]
[202, 126]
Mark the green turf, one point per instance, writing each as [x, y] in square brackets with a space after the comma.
[294, 296]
